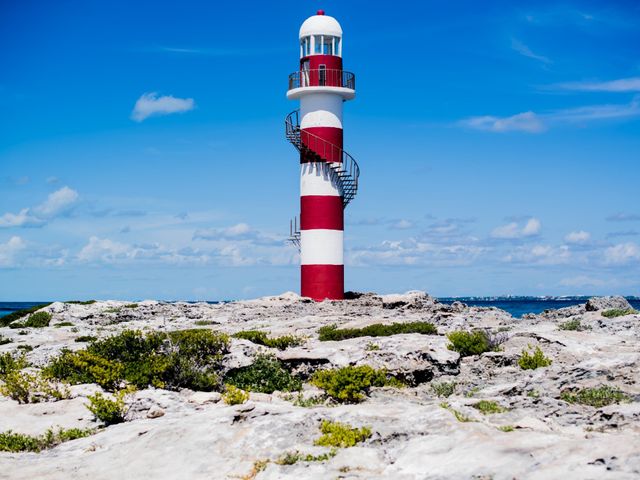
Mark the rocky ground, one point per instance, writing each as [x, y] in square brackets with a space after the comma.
[195, 435]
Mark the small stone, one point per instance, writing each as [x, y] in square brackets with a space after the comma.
[202, 398]
[155, 412]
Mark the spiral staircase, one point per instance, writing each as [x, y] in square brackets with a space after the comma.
[343, 167]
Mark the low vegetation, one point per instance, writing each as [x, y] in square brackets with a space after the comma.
[341, 435]
[18, 314]
[475, 342]
[618, 312]
[573, 325]
[444, 389]
[261, 338]
[506, 428]
[10, 363]
[109, 411]
[85, 338]
[64, 324]
[25, 387]
[595, 397]
[332, 332]
[35, 320]
[18, 442]
[173, 360]
[461, 417]
[131, 305]
[291, 458]
[529, 361]
[81, 302]
[351, 384]
[234, 395]
[487, 407]
[4, 341]
[265, 375]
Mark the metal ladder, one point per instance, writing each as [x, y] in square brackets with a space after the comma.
[313, 148]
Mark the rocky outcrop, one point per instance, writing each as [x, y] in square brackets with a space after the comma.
[534, 431]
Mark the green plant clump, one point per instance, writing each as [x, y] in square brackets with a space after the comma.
[4, 341]
[81, 302]
[506, 428]
[487, 407]
[261, 338]
[291, 458]
[64, 324]
[9, 363]
[573, 325]
[341, 435]
[531, 362]
[131, 305]
[444, 389]
[461, 417]
[350, 384]
[265, 375]
[234, 395]
[595, 397]
[179, 359]
[331, 332]
[466, 344]
[85, 338]
[17, 442]
[618, 312]
[109, 411]
[18, 314]
[35, 320]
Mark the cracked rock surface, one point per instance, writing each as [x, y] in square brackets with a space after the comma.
[194, 435]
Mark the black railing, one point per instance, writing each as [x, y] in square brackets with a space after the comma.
[322, 77]
[315, 148]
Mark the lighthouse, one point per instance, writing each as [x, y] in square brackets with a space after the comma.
[328, 174]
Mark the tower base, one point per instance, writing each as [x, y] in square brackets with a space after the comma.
[322, 282]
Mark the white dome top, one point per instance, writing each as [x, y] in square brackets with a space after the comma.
[320, 24]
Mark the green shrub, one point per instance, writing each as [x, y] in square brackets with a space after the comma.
[85, 338]
[308, 402]
[618, 312]
[331, 332]
[487, 407]
[81, 302]
[574, 325]
[18, 442]
[4, 341]
[265, 375]
[18, 314]
[461, 417]
[35, 320]
[341, 435]
[291, 458]
[350, 384]
[25, 348]
[204, 323]
[372, 347]
[506, 428]
[63, 324]
[531, 362]
[471, 343]
[595, 397]
[9, 363]
[179, 359]
[30, 387]
[109, 411]
[444, 389]
[234, 395]
[131, 305]
[85, 367]
[261, 338]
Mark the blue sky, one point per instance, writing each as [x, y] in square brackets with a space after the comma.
[142, 152]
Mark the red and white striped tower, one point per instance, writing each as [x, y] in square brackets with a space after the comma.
[328, 175]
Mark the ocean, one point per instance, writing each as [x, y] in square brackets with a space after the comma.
[516, 306]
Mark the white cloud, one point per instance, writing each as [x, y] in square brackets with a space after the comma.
[539, 255]
[402, 224]
[238, 232]
[522, 122]
[105, 250]
[10, 250]
[531, 122]
[522, 49]
[622, 253]
[150, 105]
[631, 84]
[57, 203]
[514, 230]
[577, 237]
